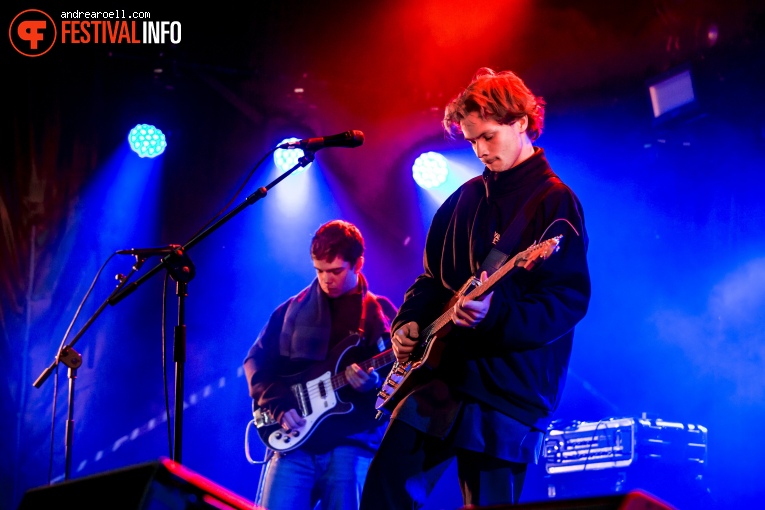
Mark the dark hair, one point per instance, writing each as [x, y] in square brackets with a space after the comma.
[500, 96]
[337, 238]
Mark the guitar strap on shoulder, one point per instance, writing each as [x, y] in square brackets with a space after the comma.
[363, 318]
[509, 238]
[373, 325]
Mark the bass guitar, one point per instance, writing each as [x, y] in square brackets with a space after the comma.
[315, 390]
[403, 377]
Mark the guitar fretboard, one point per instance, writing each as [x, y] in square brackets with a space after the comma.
[384, 358]
[542, 249]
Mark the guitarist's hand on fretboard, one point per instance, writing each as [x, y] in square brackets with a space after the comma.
[468, 308]
[469, 314]
[360, 380]
[404, 340]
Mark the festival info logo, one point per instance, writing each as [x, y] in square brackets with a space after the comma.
[32, 33]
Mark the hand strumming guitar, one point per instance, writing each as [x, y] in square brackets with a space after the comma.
[464, 313]
[404, 340]
[292, 420]
[357, 378]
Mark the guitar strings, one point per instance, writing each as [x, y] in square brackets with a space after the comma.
[445, 317]
[318, 391]
[315, 391]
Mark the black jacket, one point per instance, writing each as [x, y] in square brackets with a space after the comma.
[269, 385]
[517, 358]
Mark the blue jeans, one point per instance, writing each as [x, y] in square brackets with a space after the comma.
[298, 480]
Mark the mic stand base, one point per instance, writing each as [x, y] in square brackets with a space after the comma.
[179, 350]
[73, 360]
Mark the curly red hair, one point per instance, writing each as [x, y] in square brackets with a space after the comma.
[501, 96]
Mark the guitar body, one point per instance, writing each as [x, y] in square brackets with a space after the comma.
[406, 376]
[316, 390]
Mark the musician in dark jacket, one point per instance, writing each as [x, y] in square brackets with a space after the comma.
[335, 321]
[502, 368]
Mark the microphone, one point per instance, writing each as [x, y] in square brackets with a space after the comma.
[347, 139]
[148, 252]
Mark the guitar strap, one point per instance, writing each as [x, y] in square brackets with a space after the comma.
[509, 239]
[363, 320]
[368, 305]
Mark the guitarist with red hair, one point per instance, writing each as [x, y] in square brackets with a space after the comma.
[502, 366]
[321, 438]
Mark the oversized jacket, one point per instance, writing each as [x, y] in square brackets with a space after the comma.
[516, 359]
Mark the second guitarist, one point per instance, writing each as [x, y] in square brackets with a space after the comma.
[332, 463]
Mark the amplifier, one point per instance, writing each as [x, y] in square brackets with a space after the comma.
[621, 442]
[615, 455]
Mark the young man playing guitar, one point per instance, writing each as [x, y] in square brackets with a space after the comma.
[321, 445]
[501, 368]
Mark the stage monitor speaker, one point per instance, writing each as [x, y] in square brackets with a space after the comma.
[158, 485]
[633, 500]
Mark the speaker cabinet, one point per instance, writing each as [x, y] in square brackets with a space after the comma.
[158, 485]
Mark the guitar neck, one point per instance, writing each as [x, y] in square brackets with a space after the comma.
[399, 382]
[494, 278]
[384, 358]
[477, 292]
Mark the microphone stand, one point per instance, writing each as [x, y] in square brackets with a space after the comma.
[182, 270]
[72, 359]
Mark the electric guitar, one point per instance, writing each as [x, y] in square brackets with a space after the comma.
[316, 392]
[403, 377]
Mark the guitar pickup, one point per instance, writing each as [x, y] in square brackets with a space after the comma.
[304, 402]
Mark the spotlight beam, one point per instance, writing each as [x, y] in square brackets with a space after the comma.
[307, 158]
[170, 262]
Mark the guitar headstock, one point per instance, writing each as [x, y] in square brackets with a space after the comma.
[537, 252]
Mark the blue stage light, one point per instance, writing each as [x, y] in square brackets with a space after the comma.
[284, 159]
[147, 141]
[430, 170]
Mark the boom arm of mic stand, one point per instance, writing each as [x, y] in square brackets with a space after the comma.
[48, 371]
[182, 275]
[307, 158]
